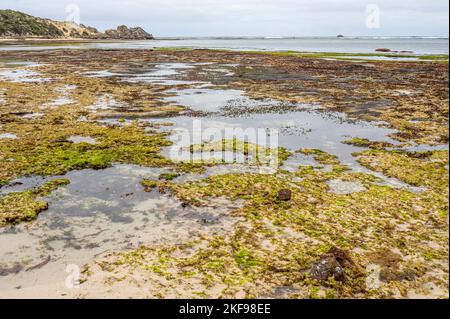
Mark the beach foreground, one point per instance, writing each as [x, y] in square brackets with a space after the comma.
[352, 202]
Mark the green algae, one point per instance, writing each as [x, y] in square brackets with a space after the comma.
[169, 176]
[260, 255]
[149, 185]
[415, 168]
[277, 242]
[25, 206]
[258, 154]
[48, 152]
[363, 142]
[321, 156]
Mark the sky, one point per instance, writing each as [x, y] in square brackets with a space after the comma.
[267, 18]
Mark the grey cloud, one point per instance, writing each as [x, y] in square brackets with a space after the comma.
[252, 17]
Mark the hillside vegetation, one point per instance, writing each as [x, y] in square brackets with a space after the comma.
[17, 25]
[14, 23]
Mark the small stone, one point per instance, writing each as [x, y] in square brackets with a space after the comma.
[284, 195]
[185, 204]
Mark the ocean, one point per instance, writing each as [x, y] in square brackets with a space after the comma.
[418, 45]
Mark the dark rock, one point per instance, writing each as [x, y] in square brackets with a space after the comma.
[284, 195]
[185, 204]
[15, 269]
[13, 184]
[383, 50]
[206, 221]
[333, 265]
[327, 267]
[59, 140]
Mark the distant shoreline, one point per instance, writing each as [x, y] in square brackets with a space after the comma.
[65, 40]
[402, 48]
[71, 40]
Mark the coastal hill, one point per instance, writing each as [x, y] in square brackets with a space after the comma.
[18, 25]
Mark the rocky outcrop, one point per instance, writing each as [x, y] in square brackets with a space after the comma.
[17, 25]
[125, 33]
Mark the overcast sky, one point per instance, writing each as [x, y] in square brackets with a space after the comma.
[253, 17]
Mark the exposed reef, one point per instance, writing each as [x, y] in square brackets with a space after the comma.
[318, 227]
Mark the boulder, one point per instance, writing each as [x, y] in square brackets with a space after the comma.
[332, 265]
[327, 267]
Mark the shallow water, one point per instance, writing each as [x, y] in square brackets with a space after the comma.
[300, 126]
[303, 129]
[8, 136]
[99, 211]
[21, 72]
[64, 97]
[296, 126]
[160, 74]
[20, 76]
[379, 58]
[306, 44]
[82, 139]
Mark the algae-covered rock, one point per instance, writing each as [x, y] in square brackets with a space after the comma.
[25, 206]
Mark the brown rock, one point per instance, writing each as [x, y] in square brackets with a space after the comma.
[383, 50]
[332, 265]
[327, 267]
[284, 195]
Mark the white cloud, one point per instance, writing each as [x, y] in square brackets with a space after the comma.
[251, 17]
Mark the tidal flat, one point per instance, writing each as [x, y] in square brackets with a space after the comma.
[356, 207]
